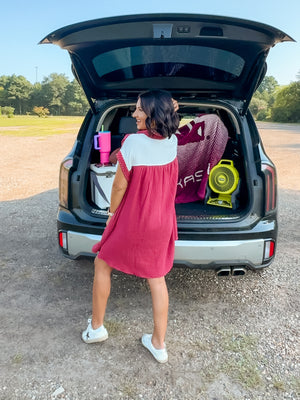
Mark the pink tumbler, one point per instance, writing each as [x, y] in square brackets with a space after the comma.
[102, 142]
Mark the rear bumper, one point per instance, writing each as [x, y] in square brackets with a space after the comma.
[216, 254]
[196, 254]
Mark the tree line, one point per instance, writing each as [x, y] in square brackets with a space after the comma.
[56, 95]
[272, 102]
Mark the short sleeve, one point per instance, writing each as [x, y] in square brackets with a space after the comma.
[125, 156]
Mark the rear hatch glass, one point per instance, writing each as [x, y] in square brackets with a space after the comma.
[174, 61]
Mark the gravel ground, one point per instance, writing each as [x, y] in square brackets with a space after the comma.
[228, 338]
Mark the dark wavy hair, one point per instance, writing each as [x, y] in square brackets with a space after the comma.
[159, 108]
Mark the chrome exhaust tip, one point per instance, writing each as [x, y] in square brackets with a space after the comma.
[238, 271]
[234, 271]
[223, 272]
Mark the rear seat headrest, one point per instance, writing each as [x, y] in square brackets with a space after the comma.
[127, 125]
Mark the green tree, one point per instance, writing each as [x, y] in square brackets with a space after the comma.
[287, 104]
[53, 89]
[4, 82]
[41, 112]
[18, 90]
[37, 97]
[258, 107]
[2, 95]
[268, 85]
[4, 79]
[8, 111]
[74, 100]
[264, 98]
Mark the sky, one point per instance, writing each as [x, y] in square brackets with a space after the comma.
[24, 23]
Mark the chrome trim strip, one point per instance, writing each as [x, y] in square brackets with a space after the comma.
[190, 252]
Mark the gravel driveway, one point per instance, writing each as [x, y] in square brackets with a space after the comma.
[228, 338]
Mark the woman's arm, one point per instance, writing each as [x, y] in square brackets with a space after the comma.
[118, 190]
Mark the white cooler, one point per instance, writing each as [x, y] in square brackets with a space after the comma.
[101, 183]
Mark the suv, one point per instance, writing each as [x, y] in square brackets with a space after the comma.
[212, 66]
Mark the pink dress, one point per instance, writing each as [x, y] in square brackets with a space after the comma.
[140, 237]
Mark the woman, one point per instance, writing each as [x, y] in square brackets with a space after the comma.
[141, 228]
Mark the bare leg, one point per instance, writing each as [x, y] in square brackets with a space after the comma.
[160, 305]
[101, 291]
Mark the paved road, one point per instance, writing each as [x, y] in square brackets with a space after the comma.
[278, 126]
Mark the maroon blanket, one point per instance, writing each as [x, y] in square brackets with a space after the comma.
[201, 144]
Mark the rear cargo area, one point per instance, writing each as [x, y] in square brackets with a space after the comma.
[212, 176]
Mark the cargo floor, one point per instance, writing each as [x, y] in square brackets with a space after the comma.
[203, 211]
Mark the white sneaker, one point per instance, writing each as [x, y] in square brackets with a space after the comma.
[160, 355]
[91, 335]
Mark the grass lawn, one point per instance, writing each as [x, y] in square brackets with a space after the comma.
[28, 125]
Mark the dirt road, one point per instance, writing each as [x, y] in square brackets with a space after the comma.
[228, 338]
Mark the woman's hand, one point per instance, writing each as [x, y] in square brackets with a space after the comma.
[108, 220]
[175, 104]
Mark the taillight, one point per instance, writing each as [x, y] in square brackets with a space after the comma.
[269, 249]
[270, 187]
[62, 239]
[64, 182]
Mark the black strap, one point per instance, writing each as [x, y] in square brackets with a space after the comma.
[96, 183]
